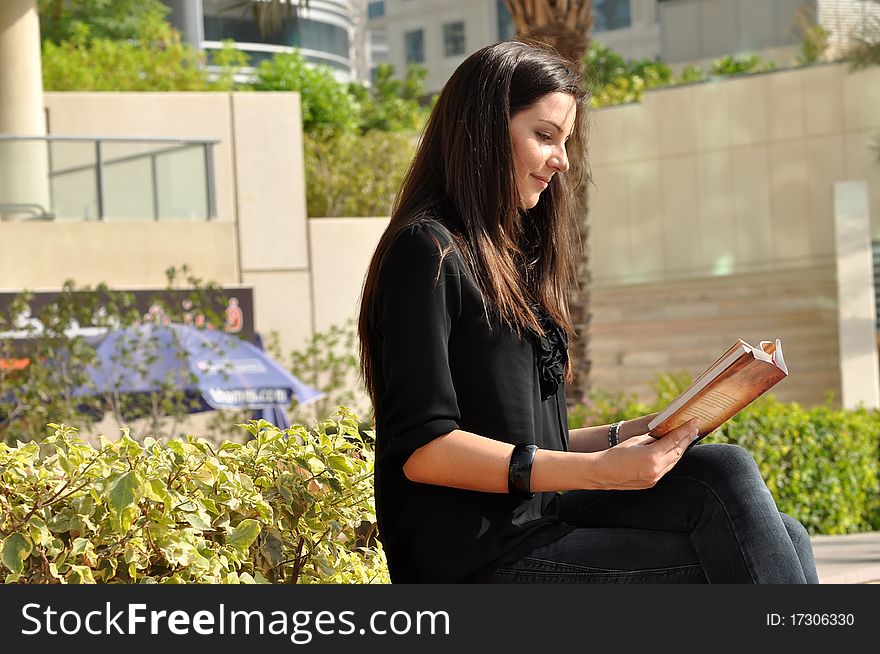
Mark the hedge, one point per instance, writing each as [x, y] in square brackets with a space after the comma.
[297, 506]
[294, 507]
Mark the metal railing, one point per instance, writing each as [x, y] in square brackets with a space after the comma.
[110, 177]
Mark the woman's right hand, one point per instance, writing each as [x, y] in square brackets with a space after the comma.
[641, 461]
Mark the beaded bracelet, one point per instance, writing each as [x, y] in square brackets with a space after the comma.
[613, 433]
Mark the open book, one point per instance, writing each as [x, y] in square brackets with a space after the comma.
[724, 388]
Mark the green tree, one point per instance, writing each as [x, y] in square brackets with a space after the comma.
[613, 79]
[117, 20]
[159, 61]
[83, 63]
[356, 174]
[814, 37]
[392, 105]
[740, 64]
[326, 105]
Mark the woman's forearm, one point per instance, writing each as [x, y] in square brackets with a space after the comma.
[469, 461]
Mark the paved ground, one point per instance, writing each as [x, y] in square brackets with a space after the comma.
[849, 559]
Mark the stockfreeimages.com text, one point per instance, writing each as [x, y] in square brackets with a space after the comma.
[300, 626]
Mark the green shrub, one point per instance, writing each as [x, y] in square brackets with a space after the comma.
[353, 174]
[287, 507]
[822, 464]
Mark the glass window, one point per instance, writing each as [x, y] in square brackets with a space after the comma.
[505, 22]
[453, 39]
[414, 42]
[611, 15]
[376, 9]
[297, 33]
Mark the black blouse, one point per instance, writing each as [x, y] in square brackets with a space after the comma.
[437, 368]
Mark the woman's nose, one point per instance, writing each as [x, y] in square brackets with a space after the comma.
[559, 160]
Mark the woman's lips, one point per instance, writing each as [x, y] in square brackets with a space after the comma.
[544, 182]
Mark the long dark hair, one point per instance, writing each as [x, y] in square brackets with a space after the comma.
[463, 174]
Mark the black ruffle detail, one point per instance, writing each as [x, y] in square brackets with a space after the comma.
[551, 352]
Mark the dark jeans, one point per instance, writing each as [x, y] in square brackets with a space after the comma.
[709, 519]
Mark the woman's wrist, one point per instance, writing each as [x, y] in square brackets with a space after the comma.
[634, 427]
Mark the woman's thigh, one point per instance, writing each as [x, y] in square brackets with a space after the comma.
[608, 555]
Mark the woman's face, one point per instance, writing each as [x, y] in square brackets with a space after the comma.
[539, 134]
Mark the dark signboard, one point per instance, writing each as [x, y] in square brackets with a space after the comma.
[233, 306]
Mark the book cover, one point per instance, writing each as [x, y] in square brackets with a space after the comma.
[734, 381]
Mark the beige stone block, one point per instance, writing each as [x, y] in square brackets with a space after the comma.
[713, 115]
[717, 250]
[641, 138]
[646, 228]
[342, 249]
[270, 175]
[785, 105]
[122, 254]
[678, 120]
[825, 165]
[861, 163]
[607, 134]
[609, 246]
[823, 105]
[789, 230]
[681, 214]
[855, 291]
[751, 196]
[747, 99]
[861, 99]
[282, 304]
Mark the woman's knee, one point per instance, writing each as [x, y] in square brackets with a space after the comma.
[722, 465]
[799, 535]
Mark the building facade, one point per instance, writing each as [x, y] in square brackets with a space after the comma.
[325, 33]
[439, 34]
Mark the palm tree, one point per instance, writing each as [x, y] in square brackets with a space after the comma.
[865, 49]
[566, 24]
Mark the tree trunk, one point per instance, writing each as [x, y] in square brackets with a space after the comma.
[566, 24]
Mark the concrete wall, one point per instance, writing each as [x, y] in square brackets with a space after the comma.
[259, 237]
[270, 183]
[713, 213]
[341, 252]
[42, 255]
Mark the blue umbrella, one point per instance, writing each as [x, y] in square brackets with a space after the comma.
[277, 415]
[214, 369]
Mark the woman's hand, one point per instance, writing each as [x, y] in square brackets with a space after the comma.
[641, 461]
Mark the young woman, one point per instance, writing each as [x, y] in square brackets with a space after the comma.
[464, 335]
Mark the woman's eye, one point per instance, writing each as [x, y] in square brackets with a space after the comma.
[544, 136]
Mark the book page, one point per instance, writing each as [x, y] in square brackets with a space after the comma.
[740, 346]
